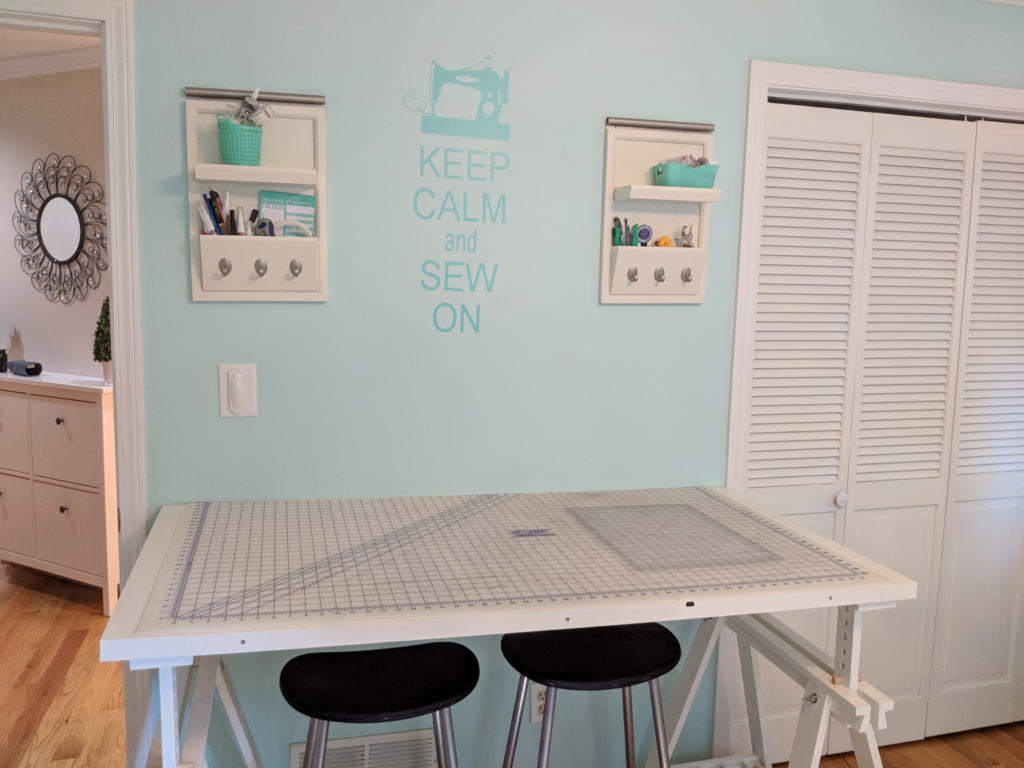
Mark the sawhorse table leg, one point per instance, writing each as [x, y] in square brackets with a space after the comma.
[186, 702]
[827, 691]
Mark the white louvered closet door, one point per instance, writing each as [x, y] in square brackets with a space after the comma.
[915, 258]
[796, 447]
[976, 671]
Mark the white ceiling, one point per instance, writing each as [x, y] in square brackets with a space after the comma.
[19, 43]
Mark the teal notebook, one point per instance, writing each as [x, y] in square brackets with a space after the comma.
[287, 205]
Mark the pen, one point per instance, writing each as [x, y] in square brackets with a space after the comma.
[215, 230]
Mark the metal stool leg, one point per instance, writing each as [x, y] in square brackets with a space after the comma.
[627, 716]
[517, 719]
[446, 719]
[439, 740]
[316, 744]
[545, 728]
[659, 724]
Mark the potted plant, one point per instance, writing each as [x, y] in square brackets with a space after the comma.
[101, 342]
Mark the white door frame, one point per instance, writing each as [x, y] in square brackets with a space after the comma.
[112, 20]
[821, 85]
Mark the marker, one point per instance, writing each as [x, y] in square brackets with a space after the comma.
[218, 212]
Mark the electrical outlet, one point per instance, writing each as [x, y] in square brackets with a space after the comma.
[537, 694]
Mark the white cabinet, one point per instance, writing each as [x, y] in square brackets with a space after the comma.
[17, 521]
[67, 440]
[58, 499]
[14, 431]
[69, 527]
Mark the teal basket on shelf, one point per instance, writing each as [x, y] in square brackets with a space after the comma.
[682, 175]
[239, 144]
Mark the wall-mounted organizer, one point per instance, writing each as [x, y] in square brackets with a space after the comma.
[293, 161]
[632, 149]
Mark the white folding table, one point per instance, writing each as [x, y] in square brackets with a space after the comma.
[218, 578]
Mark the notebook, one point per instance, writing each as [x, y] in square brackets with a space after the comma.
[287, 205]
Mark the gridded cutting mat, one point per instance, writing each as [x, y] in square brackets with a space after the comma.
[257, 561]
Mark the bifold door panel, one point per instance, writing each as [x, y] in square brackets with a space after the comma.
[886, 380]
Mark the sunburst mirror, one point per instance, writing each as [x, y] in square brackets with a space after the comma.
[61, 228]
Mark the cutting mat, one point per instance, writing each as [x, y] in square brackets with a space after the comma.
[256, 562]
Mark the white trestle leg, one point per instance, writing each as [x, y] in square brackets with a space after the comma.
[186, 693]
[832, 687]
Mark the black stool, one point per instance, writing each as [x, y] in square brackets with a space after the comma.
[380, 686]
[594, 659]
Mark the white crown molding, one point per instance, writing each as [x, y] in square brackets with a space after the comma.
[51, 63]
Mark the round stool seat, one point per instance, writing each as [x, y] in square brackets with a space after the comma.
[593, 659]
[378, 686]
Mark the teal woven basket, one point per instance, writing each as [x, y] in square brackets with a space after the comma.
[239, 144]
[682, 175]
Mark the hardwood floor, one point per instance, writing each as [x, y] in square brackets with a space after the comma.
[60, 706]
[999, 747]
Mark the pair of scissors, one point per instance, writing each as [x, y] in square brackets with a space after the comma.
[264, 227]
[617, 231]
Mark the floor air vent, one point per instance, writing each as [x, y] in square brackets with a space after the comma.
[405, 749]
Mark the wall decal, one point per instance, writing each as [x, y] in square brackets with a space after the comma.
[464, 102]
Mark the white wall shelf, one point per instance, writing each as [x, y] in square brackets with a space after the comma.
[653, 194]
[293, 160]
[255, 174]
[630, 195]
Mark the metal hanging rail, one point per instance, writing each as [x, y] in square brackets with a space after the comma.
[664, 125]
[228, 93]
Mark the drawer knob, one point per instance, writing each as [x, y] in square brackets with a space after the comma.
[59, 421]
[63, 510]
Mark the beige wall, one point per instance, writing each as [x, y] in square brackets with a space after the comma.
[60, 113]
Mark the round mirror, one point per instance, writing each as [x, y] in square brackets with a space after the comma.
[60, 229]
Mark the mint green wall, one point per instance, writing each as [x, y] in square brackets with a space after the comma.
[555, 392]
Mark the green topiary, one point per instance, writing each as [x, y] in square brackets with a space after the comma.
[101, 344]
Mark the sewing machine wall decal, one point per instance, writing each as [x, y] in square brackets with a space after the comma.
[464, 102]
